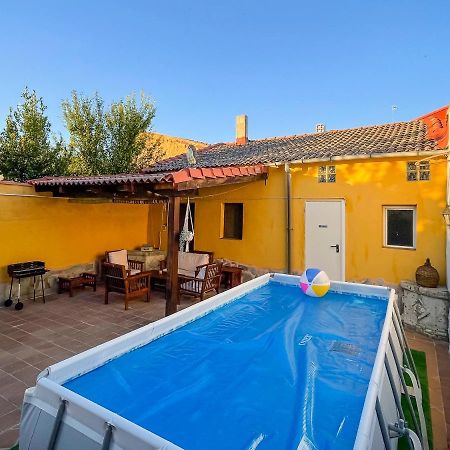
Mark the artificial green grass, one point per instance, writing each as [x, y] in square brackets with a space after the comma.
[421, 366]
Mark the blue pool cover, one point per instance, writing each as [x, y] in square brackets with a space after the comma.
[272, 370]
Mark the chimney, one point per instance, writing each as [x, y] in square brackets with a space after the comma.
[241, 130]
[320, 128]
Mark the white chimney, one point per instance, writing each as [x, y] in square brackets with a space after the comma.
[241, 130]
[320, 128]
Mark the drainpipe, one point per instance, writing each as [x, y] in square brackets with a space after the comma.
[447, 228]
[287, 170]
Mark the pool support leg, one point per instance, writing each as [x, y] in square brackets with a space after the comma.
[108, 437]
[403, 341]
[383, 428]
[405, 389]
[57, 425]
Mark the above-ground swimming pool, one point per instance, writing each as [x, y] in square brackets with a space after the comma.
[261, 366]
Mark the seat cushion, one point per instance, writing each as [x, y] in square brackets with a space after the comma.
[201, 273]
[119, 257]
[191, 286]
[134, 271]
[188, 262]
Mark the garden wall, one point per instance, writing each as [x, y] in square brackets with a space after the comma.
[63, 232]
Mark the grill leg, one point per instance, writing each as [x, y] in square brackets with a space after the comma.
[9, 301]
[10, 288]
[19, 304]
[34, 289]
[43, 291]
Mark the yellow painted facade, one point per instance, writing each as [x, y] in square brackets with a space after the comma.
[365, 185]
[172, 145]
[62, 232]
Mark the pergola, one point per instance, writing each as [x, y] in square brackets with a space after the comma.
[141, 188]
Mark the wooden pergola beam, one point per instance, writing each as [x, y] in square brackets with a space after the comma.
[173, 231]
[148, 190]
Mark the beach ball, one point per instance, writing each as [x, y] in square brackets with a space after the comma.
[314, 282]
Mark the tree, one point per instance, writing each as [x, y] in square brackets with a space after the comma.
[85, 121]
[111, 141]
[26, 148]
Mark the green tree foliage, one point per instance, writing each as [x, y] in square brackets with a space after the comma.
[112, 140]
[27, 150]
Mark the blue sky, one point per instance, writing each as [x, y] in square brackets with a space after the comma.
[287, 64]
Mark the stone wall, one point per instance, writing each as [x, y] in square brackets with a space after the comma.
[248, 272]
[50, 282]
[425, 309]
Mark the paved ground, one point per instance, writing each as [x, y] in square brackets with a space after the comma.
[40, 335]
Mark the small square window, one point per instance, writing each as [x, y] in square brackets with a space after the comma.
[233, 215]
[400, 226]
[327, 174]
[419, 170]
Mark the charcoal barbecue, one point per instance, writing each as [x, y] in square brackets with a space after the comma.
[25, 270]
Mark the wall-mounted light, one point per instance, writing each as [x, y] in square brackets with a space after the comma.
[446, 215]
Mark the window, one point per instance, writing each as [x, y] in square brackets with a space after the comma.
[400, 226]
[327, 174]
[418, 170]
[233, 214]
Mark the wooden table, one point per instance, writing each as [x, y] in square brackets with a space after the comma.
[231, 276]
[158, 278]
[68, 284]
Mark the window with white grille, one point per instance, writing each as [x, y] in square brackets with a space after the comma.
[327, 174]
[418, 170]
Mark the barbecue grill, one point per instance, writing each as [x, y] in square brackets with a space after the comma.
[25, 270]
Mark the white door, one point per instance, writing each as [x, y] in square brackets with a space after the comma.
[324, 237]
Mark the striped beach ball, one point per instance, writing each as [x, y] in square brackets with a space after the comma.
[314, 282]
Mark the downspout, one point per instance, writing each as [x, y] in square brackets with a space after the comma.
[287, 171]
[447, 228]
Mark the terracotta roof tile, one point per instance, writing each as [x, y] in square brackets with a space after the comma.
[177, 176]
[373, 140]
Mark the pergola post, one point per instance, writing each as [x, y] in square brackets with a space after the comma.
[173, 230]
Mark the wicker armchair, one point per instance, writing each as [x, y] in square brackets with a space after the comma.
[207, 279]
[118, 280]
[120, 257]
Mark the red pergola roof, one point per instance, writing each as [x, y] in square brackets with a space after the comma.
[175, 177]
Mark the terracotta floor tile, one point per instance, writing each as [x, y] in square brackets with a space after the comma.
[27, 375]
[6, 407]
[9, 437]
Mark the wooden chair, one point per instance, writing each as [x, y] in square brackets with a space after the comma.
[118, 280]
[163, 263]
[132, 266]
[207, 279]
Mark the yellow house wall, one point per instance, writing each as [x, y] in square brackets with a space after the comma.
[365, 185]
[63, 233]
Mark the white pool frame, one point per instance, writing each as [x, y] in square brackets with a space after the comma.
[84, 422]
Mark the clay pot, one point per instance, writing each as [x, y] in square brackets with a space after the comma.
[427, 275]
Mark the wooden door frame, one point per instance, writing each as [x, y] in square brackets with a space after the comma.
[343, 231]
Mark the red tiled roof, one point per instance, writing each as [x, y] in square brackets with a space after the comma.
[428, 133]
[175, 177]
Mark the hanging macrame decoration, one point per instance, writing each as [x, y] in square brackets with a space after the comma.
[186, 234]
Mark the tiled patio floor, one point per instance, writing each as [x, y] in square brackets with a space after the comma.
[40, 335]
[438, 368]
